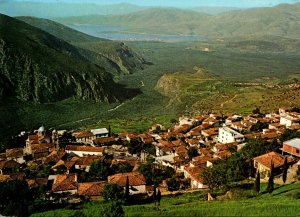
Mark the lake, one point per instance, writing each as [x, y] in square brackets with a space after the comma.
[118, 33]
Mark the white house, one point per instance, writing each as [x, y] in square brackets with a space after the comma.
[193, 173]
[228, 135]
[102, 132]
[288, 120]
[84, 150]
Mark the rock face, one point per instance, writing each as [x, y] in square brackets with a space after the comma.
[35, 65]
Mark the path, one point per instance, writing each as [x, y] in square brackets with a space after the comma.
[235, 96]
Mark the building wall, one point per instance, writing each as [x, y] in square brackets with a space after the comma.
[285, 121]
[225, 137]
[82, 153]
[291, 150]
[197, 185]
[140, 189]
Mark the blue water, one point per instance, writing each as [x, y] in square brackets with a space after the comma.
[113, 33]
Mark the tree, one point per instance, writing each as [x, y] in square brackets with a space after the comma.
[257, 182]
[285, 169]
[158, 197]
[15, 198]
[114, 209]
[127, 188]
[99, 170]
[173, 184]
[113, 192]
[192, 152]
[135, 146]
[270, 187]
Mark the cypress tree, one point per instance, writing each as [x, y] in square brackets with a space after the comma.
[285, 169]
[158, 197]
[257, 182]
[270, 187]
[127, 188]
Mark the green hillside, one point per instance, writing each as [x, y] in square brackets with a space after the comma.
[115, 57]
[284, 201]
[281, 20]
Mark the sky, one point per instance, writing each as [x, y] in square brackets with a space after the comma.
[183, 3]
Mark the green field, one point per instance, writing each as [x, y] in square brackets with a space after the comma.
[284, 201]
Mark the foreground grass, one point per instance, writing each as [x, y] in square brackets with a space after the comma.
[285, 201]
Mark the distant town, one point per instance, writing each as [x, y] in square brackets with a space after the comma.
[76, 166]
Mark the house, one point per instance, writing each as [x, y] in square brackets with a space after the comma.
[84, 150]
[167, 160]
[91, 190]
[84, 163]
[228, 135]
[292, 147]
[193, 173]
[37, 182]
[8, 166]
[38, 150]
[237, 126]
[164, 148]
[104, 141]
[54, 156]
[263, 163]
[102, 132]
[137, 182]
[15, 154]
[288, 120]
[64, 183]
[85, 137]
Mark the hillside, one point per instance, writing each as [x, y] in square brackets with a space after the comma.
[281, 20]
[282, 202]
[40, 67]
[115, 57]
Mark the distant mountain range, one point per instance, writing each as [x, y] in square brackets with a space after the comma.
[59, 9]
[38, 66]
[282, 20]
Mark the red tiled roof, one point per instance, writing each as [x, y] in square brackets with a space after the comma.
[10, 164]
[91, 188]
[37, 182]
[54, 156]
[223, 154]
[14, 152]
[270, 157]
[195, 172]
[65, 183]
[86, 134]
[104, 140]
[206, 151]
[5, 178]
[135, 179]
[87, 161]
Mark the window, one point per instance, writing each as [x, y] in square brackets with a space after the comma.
[297, 151]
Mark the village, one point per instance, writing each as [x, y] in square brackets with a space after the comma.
[76, 166]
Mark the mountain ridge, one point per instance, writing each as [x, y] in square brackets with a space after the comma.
[282, 20]
[40, 67]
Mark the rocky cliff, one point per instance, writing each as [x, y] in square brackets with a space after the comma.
[35, 65]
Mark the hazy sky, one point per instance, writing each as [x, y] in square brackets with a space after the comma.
[183, 3]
